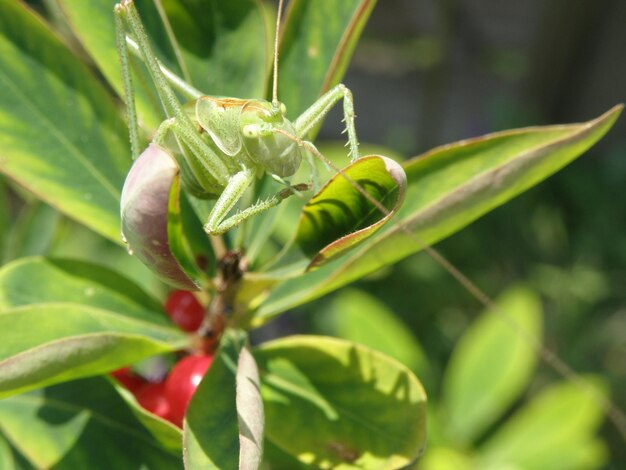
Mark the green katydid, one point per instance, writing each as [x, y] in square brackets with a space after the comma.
[227, 143]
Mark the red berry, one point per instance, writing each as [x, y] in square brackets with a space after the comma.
[185, 310]
[182, 382]
[128, 379]
[152, 398]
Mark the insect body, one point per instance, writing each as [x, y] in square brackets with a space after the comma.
[226, 143]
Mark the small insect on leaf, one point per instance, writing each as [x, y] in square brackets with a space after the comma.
[220, 146]
[340, 216]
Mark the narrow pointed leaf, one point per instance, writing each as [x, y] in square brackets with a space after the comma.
[223, 45]
[453, 185]
[336, 404]
[491, 365]
[56, 342]
[79, 282]
[211, 431]
[81, 424]
[60, 133]
[33, 232]
[316, 46]
[449, 187]
[151, 222]
[339, 217]
[92, 22]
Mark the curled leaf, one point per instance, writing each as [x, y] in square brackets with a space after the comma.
[151, 224]
[340, 216]
[249, 411]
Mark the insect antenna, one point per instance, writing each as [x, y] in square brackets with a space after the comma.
[611, 410]
[275, 103]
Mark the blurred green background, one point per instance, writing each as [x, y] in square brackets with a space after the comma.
[430, 72]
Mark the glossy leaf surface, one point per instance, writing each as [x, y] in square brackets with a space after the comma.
[340, 405]
[92, 23]
[316, 45]
[79, 282]
[56, 342]
[357, 316]
[61, 134]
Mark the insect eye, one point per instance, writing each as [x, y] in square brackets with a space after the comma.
[251, 131]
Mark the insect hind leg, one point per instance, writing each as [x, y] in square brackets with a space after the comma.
[127, 83]
[126, 14]
[313, 115]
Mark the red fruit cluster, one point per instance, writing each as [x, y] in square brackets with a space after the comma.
[169, 399]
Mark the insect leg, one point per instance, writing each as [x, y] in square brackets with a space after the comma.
[129, 95]
[126, 10]
[219, 224]
[233, 191]
[312, 116]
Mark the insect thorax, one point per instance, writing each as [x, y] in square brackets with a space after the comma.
[244, 132]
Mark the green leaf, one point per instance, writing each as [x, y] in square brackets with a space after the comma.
[79, 282]
[152, 223]
[10, 459]
[555, 430]
[60, 133]
[339, 217]
[449, 187]
[92, 23]
[249, 411]
[211, 431]
[33, 231]
[335, 403]
[82, 424]
[316, 46]
[445, 458]
[360, 317]
[491, 365]
[77, 242]
[7, 460]
[168, 435]
[57, 342]
[274, 459]
[5, 217]
[453, 185]
[223, 46]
